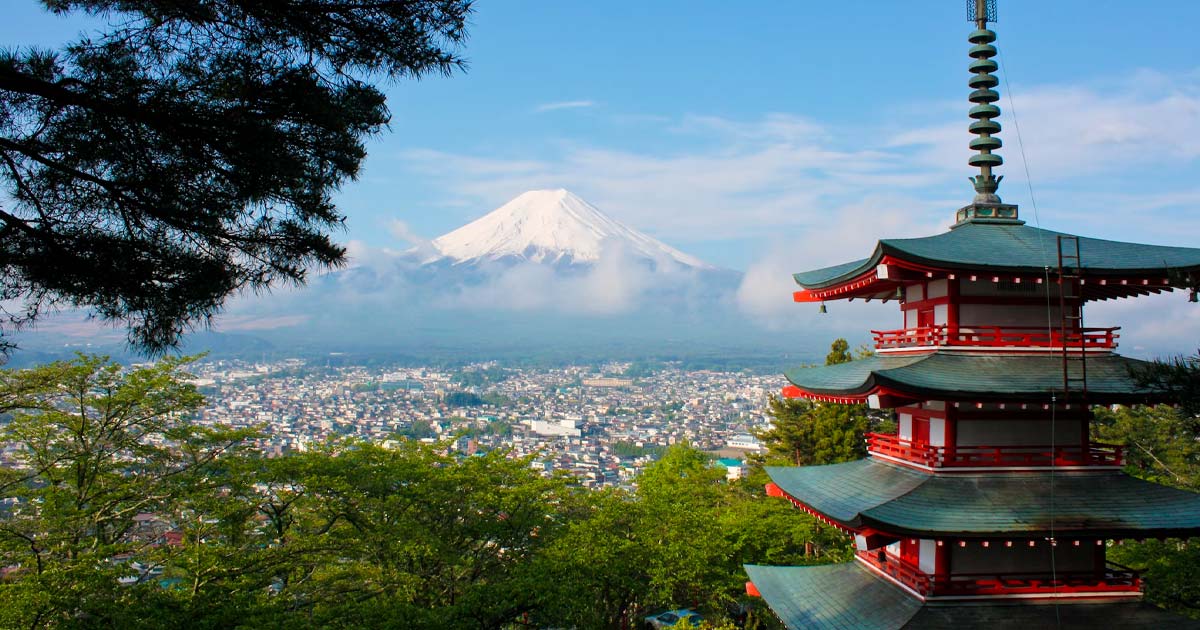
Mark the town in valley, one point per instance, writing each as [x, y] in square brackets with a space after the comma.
[602, 424]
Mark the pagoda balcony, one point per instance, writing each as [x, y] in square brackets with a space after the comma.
[996, 337]
[979, 456]
[1114, 579]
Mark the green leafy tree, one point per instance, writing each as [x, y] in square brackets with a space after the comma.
[1160, 446]
[418, 538]
[679, 540]
[96, 448]
[839, 352]
[193, 148]
[805, 433]
[1159, 442]
[1177, 378]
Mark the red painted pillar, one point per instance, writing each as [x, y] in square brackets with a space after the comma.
[950, 432]
[952, 311]
[941, 564]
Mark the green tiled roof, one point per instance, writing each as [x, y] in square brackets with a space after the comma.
[977, 376]
[1025, 616]
[1016, 248]
[835, 596]
[903, 501]
[848, 597]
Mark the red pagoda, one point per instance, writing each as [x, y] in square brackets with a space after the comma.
[990, 506]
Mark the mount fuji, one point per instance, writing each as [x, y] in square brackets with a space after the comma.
[545, 273]
[556, 228]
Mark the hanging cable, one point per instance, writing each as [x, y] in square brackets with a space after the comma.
[1049, 332]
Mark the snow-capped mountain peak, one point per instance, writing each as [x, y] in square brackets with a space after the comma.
[552, 226]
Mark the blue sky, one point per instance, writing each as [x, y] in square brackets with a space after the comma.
[775, 136]
[620, 101]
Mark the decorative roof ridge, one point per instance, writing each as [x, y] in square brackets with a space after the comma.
[890, 498]
[1010, 245]
[897, 379]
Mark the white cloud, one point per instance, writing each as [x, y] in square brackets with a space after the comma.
[617, 284]
[1077, 130]
[549, 107]
[248, 323]
[1155, 326]
[845, 234]
[760, 176]
[815, 195]
[422, 248]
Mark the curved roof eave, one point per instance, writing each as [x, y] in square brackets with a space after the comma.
[902, 501]
[1013, 248]
[981, 376]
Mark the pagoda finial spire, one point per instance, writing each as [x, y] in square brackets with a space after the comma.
[984, 112]
[986, 205]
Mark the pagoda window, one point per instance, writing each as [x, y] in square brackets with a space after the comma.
[1008, 291]
[1009, 315]
[974, 559]
[1008, 432]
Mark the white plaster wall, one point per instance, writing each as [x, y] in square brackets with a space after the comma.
[939, 288]
[941, 314]
[914, 292]
[906, 426]
[937, 431]
[926, 561]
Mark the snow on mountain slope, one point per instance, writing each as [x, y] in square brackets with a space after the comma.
[553, 226]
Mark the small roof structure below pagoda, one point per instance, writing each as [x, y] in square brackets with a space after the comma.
[835, 596]
[1012, 248]
[850, 597]
[906, 502]
[969, 376]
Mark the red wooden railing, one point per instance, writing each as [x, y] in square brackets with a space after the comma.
[1095, 454]
[1113, 579]
[996, 337]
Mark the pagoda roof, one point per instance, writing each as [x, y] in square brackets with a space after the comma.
[967, 376]
[1013, 248]
[850, 597]
[835, 596]
[906, 502]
